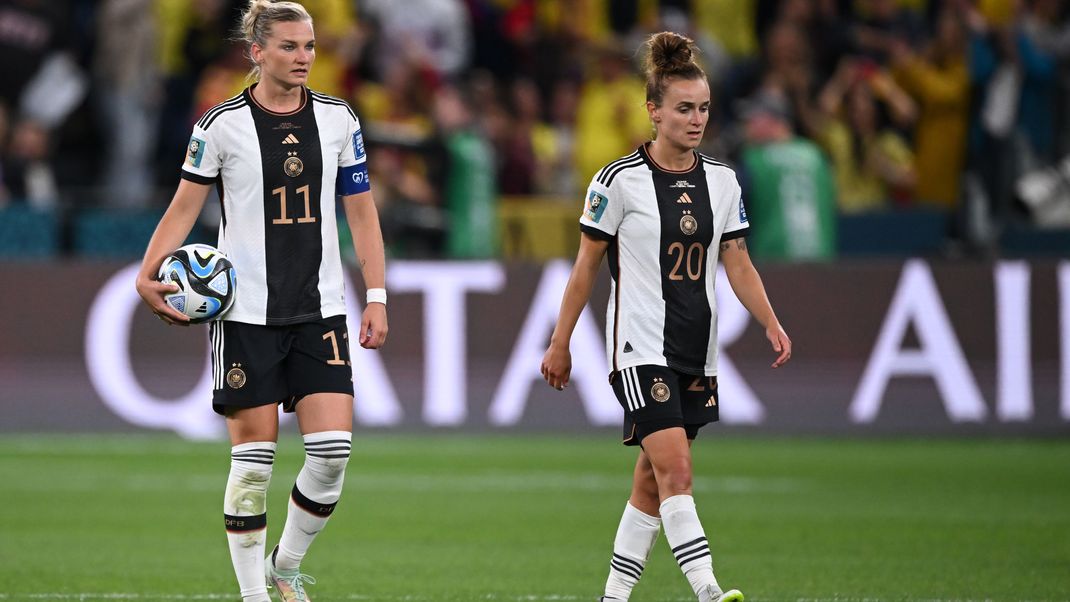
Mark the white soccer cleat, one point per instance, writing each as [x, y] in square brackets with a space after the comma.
[290, 585]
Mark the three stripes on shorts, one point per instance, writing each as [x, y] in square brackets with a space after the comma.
[633, 394]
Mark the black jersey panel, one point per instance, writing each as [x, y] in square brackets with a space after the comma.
[292, 164]
[686, 233]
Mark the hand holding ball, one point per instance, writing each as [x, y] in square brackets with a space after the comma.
[205, 279]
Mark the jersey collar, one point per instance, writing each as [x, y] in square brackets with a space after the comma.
[252, 101]
[645, 154]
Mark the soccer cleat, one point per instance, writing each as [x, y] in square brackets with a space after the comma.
[607, 599]
[712, 595]
[290, 585]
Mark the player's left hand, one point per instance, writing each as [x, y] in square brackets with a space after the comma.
[781, 344]
[373, 326]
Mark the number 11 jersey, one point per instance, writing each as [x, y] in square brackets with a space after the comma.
[278, 175]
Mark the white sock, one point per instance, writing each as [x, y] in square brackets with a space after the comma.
[245, 513]
[631, 549]
[688, 541]
[314, 496]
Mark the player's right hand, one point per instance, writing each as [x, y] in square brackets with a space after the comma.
[152, 292]
[556, 366]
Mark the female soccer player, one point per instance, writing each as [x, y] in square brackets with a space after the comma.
[659, 212]
[280, 154]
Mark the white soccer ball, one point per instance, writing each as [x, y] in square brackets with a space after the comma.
[205, 279]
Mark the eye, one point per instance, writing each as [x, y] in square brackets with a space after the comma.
[287, 47]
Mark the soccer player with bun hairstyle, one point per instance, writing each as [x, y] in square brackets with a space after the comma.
[665, 214]
[280, 154]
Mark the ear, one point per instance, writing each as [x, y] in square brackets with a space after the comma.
[653, 112]
[256, 53]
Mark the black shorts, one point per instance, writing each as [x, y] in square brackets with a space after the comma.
[256, 365]
[655, 398]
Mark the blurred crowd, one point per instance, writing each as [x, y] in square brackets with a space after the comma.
[826, 108]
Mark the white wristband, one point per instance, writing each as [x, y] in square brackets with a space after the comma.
[377, 295]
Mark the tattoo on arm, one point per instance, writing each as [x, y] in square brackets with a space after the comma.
[741, 244]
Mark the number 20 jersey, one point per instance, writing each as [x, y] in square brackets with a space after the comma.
[278, 176]
[664, 229]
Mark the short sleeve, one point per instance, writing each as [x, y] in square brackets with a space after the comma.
[203, 157]
[602, 211]
[353, 161]
[354, 153]
[736, 223]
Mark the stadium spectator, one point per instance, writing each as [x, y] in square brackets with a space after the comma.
[555, 147]
[284, 341]
[665, 199]
[42, 85]
[191, 37]
[470, 195]
[517, 163]
[609, 119]
[28, 173]
[872, 162]
[125, 70]
[433, 34]
[788, 186]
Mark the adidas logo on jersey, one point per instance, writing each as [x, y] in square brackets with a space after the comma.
[627, 347]
[290, 139]
[684, 198]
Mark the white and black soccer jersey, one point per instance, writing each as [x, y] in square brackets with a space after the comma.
[278, 176]
[664, 229]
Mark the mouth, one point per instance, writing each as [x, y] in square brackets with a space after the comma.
[299, 71]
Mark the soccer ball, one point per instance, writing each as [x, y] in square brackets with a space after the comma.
[205, 279]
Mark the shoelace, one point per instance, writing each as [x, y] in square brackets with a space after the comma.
[297, 583]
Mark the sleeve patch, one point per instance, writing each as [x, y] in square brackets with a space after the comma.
[195, 152]
[358, 145]
[742, 211]
[596, 206]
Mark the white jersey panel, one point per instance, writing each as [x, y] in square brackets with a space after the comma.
[641, 327]
[336, 140]
[233, 148]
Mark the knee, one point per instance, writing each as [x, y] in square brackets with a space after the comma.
[327, 470]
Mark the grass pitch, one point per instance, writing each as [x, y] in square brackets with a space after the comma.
[532, 518]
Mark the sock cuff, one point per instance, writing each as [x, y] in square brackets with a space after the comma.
[677, 503]
[254, 445]
[640, 518]
[327, 446]
[256, 452]
[328, 436]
